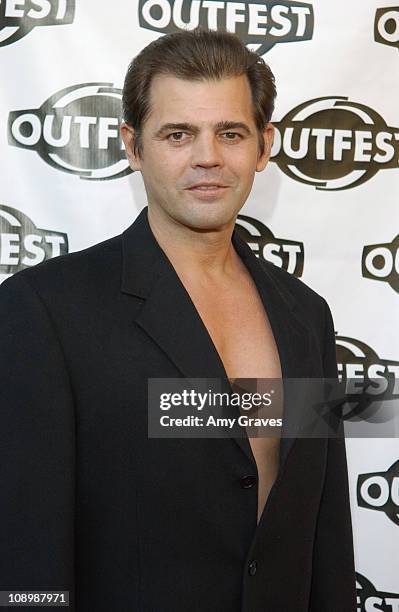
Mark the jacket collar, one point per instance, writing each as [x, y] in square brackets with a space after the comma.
[143, 258]
[170, 318]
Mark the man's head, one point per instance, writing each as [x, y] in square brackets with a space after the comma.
[197, 55]
[197, 108]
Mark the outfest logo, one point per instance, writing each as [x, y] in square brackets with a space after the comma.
[19, 17]
[386, 26]
[358, 361]
[76, 130]
[334, 144]
[380, 491]
[381, 262]
[23, 245]
[258, 23]
[369, 599]
[286, 254]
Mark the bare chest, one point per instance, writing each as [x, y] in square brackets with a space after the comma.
[241, 332]
[242, 335]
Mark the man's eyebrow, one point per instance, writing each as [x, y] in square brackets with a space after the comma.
[233, 125]
[189, 127]
[176, 127]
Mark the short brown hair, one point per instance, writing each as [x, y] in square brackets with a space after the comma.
[196, 55]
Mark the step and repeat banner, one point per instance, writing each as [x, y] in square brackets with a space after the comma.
[325, 209]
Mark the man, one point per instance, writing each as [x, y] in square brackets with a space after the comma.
[91, 503]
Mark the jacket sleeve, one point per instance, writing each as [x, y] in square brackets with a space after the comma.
[37, 448]
[333, 576]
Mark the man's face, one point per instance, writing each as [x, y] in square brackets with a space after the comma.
[200, 149]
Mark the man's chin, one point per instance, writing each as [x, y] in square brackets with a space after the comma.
[207, 218]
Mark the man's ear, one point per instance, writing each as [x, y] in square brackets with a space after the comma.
[268, 136]
[128, 136]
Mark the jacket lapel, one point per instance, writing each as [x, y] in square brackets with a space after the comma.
[291, 335]
[170, 318]
[168, 314]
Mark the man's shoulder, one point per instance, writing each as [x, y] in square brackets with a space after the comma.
[295, 289]
[308, 306]
[96, 265]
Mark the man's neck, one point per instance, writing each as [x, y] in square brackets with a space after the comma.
[207, 255]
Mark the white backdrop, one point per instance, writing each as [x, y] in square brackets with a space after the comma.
[327, 200]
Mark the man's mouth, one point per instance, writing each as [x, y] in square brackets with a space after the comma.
[208, 191]
[207, 187]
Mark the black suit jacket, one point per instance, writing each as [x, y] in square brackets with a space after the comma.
[127, 523]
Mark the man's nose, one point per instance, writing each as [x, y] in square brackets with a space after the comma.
[206, 151]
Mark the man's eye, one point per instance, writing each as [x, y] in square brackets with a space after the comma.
[177, 136]
[231, 136]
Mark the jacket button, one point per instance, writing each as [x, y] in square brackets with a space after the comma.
[252, 567]
[248, 481]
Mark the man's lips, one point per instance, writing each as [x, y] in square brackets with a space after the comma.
[207, 186]
[207, 191]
